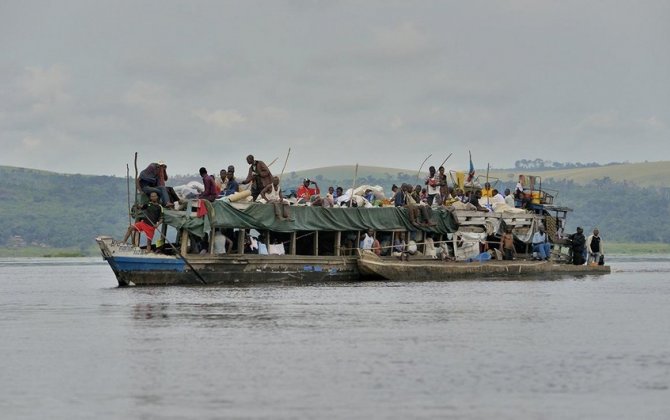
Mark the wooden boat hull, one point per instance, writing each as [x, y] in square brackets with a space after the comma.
[391, 268]
[134, 268]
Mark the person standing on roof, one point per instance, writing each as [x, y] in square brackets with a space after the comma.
[208, 182]
[259, 176]
[432, 185]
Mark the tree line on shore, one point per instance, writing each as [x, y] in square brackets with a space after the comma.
[59, 210]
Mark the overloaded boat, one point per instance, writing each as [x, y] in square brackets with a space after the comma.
[320, 244]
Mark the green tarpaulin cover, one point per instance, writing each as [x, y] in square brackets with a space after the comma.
[261, 217]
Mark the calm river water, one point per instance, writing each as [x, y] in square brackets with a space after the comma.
[74, 346]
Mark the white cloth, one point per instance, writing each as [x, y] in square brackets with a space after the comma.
[411, 247]
[430, 248]
[220, 241]
[509, 200]
[276, 249]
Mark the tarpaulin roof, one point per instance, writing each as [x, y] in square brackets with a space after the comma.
[306, 218]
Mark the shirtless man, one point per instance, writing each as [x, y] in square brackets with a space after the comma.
[272, 194]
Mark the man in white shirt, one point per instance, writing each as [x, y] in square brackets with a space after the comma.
[509, 198]
[368, 240]
[432, 186]
[541, 244]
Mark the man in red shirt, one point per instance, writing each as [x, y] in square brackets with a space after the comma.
[210, 188]
[305, 192]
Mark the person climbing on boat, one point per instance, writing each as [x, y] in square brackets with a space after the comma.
[541, 245]
[152, 179]
[152, 216]
[259, 176]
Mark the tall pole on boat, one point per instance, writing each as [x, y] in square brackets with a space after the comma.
[445, 161]
[136, 175]
[285, 161]
[353, 186]
[446, 180]
[128, 188]
[421, 167]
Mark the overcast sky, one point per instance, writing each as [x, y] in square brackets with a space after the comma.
[85, 84]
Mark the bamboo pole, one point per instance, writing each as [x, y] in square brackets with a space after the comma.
[285, 161]
[421, 167]
[353, 186]
[128, 188]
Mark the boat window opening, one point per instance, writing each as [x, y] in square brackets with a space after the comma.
[277, 241]
[385, 239]
[349, 242]
[305, 242]
[326, 242]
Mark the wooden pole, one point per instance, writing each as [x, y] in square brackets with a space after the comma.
[421, 167]
[128, 188]
[137, 191]
[353, 186]
[285, 161]
[445, 161]
[270, 164]
[446, 180]
[136, 175]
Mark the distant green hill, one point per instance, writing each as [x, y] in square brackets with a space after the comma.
[629, 202]
[42, 208]
[647, 174]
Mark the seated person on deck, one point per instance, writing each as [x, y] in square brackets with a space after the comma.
[151, 218]
[309, 195]
[232, 185]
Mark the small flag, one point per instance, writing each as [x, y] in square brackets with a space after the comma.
[471, 173]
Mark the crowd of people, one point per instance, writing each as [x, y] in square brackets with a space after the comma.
[419, 200]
